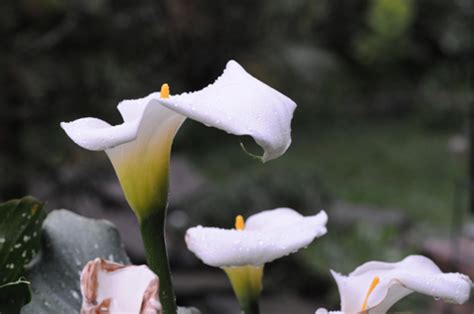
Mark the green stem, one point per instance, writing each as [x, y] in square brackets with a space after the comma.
[251, 307]
[152, 230]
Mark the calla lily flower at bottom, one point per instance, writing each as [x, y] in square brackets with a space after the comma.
[375, 287]
[243, 251]
[109, 287]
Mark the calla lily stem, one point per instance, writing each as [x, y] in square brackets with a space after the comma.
[153, 235]
[251, 307]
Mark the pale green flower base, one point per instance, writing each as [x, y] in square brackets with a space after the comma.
[247, 284]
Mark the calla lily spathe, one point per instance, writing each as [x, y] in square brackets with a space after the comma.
[375, 287]
[268, 235]
[243, 251]
[139, 148]
[109, 287]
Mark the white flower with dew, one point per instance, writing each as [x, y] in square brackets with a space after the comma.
[109, 287]
[243, 251]
[139, 148]
[375, 287]
[264, 237]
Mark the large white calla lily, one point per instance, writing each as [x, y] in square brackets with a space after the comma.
[375, 287]
[139, 148]
[243, 251]
[109, 287]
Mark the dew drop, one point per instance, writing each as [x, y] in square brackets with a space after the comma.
[75, 295]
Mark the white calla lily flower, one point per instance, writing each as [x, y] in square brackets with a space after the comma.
[243, 251]
[139, 148]
[264, 237]
[109, 287]
[375, 287]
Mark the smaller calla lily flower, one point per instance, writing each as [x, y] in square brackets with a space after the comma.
[375, 287]
[264, 237]
[109, 287]
[243, 251]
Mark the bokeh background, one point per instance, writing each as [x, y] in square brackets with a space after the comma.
[380, 135]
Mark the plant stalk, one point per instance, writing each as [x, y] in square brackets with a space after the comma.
[153, 235]
[251, 307]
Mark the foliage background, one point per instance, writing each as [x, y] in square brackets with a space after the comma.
[383, 88]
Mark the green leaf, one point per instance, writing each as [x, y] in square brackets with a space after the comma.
[14, 295]
[69, 242]
[20, 230]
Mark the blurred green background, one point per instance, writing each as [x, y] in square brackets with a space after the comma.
[379, 135]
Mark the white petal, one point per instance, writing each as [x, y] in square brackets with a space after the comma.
[240, 104]
[324, 311]
[140, 116]
[350, 292]
[451, 287]
[115, 288]
[280, 217]
[257, 243]
[413, 274]
[95, 134]
[236, 103]
[389, 293]
[132, 109]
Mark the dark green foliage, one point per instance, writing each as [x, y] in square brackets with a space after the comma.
[247, 192]
[20, 233]
[388, 36]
